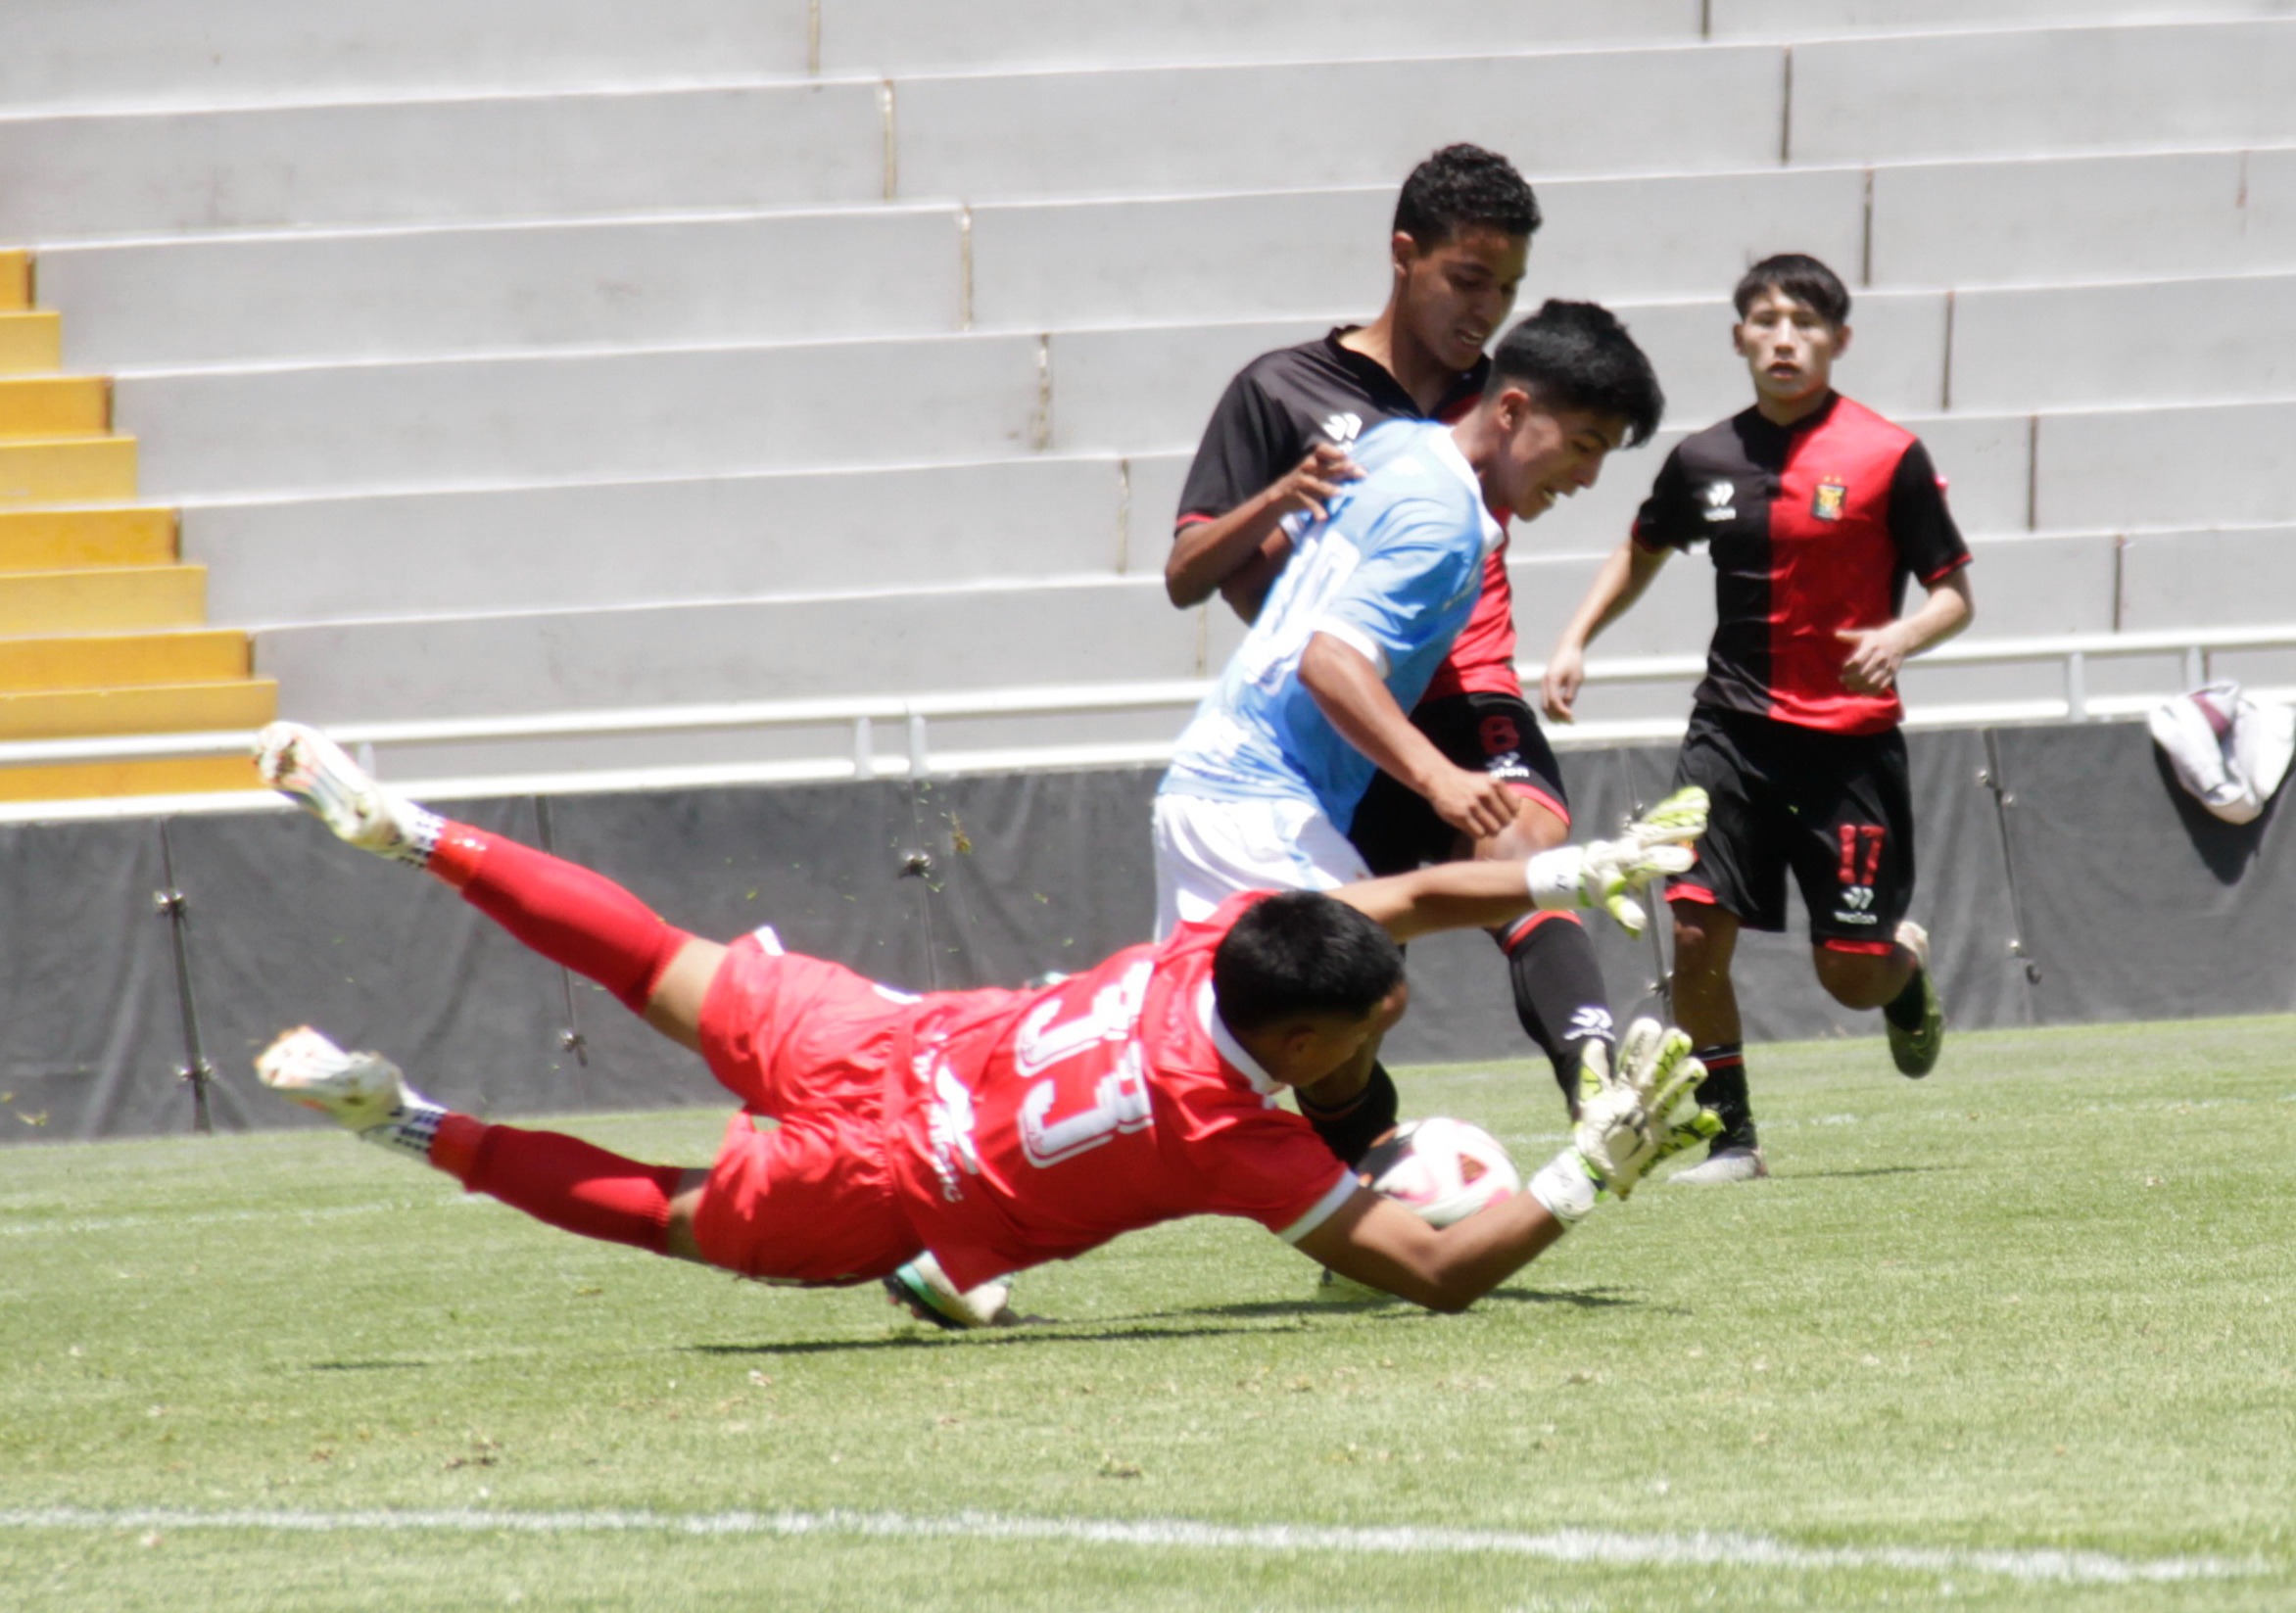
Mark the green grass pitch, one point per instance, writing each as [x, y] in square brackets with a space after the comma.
[2022, 1336]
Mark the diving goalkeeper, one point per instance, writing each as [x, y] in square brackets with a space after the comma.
[962, 1136]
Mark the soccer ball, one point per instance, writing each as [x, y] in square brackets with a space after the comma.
[1443, 1171]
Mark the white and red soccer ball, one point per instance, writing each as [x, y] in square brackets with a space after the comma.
[1442, 1170]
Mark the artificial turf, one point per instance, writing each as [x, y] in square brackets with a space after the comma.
[2040, 1303]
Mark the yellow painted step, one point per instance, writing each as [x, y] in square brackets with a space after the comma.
[67, 470]
[105, 599]
[15, 279]
[86, 781]
[166, 708]
[128, 660]
[55, 405]
[50, 539]
[31, 339]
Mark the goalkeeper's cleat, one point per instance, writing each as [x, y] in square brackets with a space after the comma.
[921, 1289]
[1915, 1051]
[356, 1090]
[1722, 1167]
[303, 763]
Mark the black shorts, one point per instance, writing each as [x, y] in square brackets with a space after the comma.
[1397, 830]
[1836, 808]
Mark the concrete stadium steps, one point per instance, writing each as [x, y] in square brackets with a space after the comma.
[2223, 341]
[1091, 630]
[153, 708]
[276, 432]
[899, 270]
[73, 540]
[141, 660]
[121, 598]
[2043, 91]
[440, 161]
[1265, 128]
[54, 405]
[15, 279]
[31, 340]
[148, 54]
[90, 780]
[433, 292]
[1826, 18]
[67, 469]
[157, 53]
[566, 417]
[237, 300]
[2061, 220]
[600, 545]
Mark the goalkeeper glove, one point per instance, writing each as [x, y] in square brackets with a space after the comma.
[1605, 873]
[1626, 1121]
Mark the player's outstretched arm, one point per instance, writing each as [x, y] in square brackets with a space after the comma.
[1630, 1118]
[1601, 873]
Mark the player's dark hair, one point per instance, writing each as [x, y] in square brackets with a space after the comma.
[1462, 187]
[1577, 356]
[1300, 952]
[1799, 276]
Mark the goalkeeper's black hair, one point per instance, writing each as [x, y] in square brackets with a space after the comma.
[1460, 187]
[1300, 953]
[1577, 356]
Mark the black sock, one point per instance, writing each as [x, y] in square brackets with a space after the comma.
[1724, 1092]
[1907, 1009]
[1351, 1129]
[1559, 994]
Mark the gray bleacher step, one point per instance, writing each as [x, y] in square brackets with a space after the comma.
[437, 160]
[445, 291]
[2043, 91]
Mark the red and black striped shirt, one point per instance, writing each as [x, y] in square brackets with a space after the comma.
[1814, 529]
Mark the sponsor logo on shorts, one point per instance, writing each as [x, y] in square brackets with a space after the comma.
[1857, 901]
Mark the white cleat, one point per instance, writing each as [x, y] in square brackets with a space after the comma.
[356, 1090]
[1722, 1167]
[304, 765]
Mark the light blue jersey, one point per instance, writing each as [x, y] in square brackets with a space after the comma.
[1393, 571]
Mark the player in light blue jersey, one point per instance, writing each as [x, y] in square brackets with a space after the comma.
[1267, 778]
[1391, 572]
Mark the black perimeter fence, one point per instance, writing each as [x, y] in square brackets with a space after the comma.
[143, 963]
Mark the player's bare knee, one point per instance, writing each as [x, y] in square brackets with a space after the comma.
[1857, 979]
[674, 1008]
[685, 1208]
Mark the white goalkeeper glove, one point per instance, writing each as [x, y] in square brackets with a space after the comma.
[1605, 873]
[1627, 1119]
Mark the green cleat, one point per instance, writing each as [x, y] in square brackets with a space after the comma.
[1916, 1050]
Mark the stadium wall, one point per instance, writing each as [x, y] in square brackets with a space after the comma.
[2064, 877]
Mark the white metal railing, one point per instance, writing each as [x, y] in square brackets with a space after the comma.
[912, 716]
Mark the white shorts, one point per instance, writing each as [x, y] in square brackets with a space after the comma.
[1207, 851]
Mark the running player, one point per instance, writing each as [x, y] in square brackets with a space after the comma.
[965, 1135]
[1278, 446]
[1266, 779]
[1817, 511]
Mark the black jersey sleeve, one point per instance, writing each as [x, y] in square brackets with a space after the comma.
[1929, 544]
[1667, 518]
[1248, 442]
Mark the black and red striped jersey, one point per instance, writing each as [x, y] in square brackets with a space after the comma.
[1281, 404]
[1815, 528]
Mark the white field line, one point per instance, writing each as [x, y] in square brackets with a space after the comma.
[1606, 1548]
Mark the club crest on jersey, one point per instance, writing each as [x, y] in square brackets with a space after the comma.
[1720, 497]
[1827, 502]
